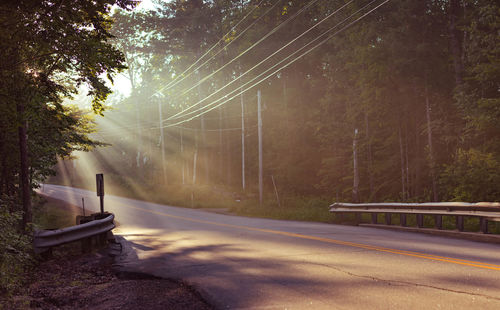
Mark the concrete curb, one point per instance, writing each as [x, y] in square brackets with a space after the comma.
[489, 238]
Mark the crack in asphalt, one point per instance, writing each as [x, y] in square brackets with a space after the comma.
[399, 282]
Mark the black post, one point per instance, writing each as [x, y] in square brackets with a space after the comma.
[460, 223]
[402, 220]
[484, 225]
[388, 218]
[438, 221]
[99, 180]
[420, 220]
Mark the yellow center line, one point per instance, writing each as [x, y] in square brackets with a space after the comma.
[457, 261]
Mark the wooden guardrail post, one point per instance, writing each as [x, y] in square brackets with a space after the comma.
[402, 220]
[460, 223]
[484, 225]
[420, 220]
[438, 221]
[388, 218]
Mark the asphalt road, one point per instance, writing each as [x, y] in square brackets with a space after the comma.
[250, 263]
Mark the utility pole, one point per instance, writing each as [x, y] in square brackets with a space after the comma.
[242, 142]
[162, 144]
[259, 113]
[182, 159]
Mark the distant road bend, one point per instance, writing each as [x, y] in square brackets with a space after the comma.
[251, 263]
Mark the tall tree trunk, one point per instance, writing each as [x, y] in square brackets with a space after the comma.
[370, 158]
[221, 148]
[355, 186]
[429, 141]
[455, 45]
[403, 185]
[24, 166]
[228, 148]
[407, 163]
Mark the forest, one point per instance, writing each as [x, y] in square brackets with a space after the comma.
[363, 101]
[284, 101]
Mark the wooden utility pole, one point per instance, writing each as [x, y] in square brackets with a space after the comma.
[183, 162]
[242, 141]
[259, 124]
[162, 144]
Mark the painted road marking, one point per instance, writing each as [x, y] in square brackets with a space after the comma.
[339, 242]
[457, 261]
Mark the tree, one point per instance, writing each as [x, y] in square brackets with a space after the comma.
[50, 49]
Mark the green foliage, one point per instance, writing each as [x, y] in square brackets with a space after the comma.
[15, 248]
[391, 76]
[473, 176]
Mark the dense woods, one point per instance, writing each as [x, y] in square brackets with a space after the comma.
[361, 101]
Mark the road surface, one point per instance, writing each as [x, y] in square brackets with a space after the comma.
[251, 263]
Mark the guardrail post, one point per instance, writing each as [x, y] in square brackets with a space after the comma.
[86, 245]
[402, 220]
[484, 225]
[388, 218]
[420, 220]
[374, 218]
[460, 223]
[438, 221]
[341, 217]
[357, 218]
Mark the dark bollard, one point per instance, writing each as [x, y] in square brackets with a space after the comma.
[420, 220]
[388, 218]
[402, 219]
[460, 223]
[484, 225]
[438, 221]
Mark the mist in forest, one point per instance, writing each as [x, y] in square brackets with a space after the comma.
[359, 101]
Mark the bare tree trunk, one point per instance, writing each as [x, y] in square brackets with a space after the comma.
[195, 159]
[24, 166]
[228, 149]
[370, 158]
[429, 141]
[455, 46]
[183, 161]
[221, 148]
[355, 187]
[407, 163]
[403, 187]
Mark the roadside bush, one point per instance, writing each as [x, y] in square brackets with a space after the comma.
[15, 248]
[473, 176]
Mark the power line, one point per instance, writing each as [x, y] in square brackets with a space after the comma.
[274, 30]
[292, 61]
[169, 85]
[218, 129]
[176, 116]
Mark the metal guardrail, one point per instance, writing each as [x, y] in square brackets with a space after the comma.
[485, 211]
[46, 239]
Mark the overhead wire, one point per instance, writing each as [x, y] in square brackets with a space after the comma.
[292, 61]
[177, 115]
[170, 85]
[274, 30]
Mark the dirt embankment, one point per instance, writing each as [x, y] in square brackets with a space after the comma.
[71, 280]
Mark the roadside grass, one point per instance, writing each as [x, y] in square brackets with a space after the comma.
[53, 214]
[291, 207]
